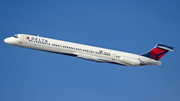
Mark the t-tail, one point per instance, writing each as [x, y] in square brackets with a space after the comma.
[158, 51]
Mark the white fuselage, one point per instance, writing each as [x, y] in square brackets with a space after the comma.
[79, 50]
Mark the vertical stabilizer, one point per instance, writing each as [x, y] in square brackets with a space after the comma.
[158, 51]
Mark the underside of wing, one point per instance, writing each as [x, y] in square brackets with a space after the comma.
[92, 58]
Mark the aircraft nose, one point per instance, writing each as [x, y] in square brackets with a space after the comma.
[7, 40]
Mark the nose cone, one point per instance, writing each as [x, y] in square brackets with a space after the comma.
[7, 40]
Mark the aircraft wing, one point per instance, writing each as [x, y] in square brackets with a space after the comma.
[91, 58]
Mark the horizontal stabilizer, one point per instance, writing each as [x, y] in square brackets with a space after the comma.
[165, 47]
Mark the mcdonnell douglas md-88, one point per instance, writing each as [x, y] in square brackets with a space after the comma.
[97, 54]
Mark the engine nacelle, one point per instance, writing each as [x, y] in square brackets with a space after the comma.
[131, 62]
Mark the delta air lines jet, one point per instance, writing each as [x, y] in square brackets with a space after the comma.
[97, 54]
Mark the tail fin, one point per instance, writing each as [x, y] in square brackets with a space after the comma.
[158, 51]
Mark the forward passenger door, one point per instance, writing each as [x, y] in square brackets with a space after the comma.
[21, 39]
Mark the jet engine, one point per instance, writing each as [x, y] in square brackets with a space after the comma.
[131, 62]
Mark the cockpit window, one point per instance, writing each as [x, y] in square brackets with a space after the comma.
[15, 36]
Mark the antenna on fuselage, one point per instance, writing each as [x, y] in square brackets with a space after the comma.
[37, 35]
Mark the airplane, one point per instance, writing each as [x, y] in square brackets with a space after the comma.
[97, 54]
